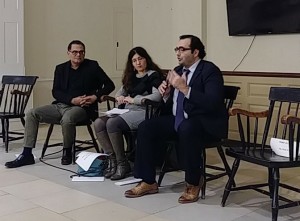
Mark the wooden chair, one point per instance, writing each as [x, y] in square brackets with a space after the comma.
[230, 94]
[152, 110]
[255, 149]
[14, 95]
[78, 145]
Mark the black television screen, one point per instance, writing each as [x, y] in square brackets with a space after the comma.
[257, 17]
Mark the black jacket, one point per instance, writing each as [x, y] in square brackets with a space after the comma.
[206, 100]
[96, 82]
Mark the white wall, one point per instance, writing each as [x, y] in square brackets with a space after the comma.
[158, 23]
[269, 53]
[51, 24]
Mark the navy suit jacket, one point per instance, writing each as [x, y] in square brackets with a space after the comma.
[206, 101]
[95, 82]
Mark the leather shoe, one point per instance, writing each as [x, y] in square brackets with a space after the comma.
[66, 157]
[142, 189]
[123, 169]
[191, 192]
[21, 160]
[66, 160]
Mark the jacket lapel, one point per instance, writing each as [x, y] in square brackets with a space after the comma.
[197, 72]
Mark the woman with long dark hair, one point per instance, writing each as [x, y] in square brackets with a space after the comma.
[140, 80]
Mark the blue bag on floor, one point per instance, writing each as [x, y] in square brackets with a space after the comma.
[96, 169]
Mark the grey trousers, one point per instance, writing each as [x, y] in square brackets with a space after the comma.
[65, 115]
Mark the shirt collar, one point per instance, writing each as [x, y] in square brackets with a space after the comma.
[193, 67]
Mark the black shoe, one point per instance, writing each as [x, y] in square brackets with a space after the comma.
[21, 160]
[66, 160]
[67, 156]
[112, 167]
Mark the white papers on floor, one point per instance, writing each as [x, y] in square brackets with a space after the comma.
[85, 159]
[126, 182]
[87, 179]
[116, 111]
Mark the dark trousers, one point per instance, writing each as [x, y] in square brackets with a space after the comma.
[152, 134]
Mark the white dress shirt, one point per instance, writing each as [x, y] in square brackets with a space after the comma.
[189, 77]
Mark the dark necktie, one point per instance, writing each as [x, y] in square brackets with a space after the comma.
[179, 108]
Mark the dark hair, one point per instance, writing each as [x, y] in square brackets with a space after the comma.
[130, 72]
[75, 42]
[196, 43]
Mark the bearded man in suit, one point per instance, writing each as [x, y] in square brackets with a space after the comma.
[193, 114]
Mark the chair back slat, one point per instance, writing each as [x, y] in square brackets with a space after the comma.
[297, 141]
[277, 120]
[15, 94]
[293, 123]
[5, 91]
[230, 94]
[255, 133]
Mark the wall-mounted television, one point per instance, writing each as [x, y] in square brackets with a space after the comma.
[260, 17]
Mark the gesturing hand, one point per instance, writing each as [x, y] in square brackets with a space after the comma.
[164, 89]
[178, 82]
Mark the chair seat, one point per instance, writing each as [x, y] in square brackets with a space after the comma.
[270, 159]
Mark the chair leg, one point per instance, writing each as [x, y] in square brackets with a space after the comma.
[275, 202]
[130, 138]
[3, 130]
[23, 121]
[161, 176]
[93, 138]
[270, 181]
[6, 126]
[164, 166]
[203, 172]
[74, 149]
[224, 161]
[45, 146]
[230, 181]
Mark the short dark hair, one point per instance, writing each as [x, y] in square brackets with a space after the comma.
[75, 42]
[196, 43]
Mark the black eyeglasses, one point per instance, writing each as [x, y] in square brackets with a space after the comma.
[181, 49]
[77, 52]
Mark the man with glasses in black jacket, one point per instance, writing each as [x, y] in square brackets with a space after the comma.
[77, 88]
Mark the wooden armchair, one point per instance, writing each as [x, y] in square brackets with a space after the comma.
[152, 110]
[256, 128]
[14, 96]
